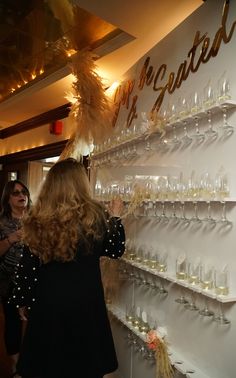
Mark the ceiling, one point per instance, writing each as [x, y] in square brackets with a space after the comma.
[36, 40]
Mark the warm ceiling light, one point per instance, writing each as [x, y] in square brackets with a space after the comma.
[41, 71]
[33, 76]
[110, 91]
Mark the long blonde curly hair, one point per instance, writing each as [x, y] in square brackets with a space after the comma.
[64, 214]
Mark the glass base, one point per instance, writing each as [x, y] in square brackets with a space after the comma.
[206, 312]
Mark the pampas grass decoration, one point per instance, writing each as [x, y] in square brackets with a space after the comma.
[93, 110]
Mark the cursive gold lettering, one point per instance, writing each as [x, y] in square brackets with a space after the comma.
[160, 83]
[133, 111]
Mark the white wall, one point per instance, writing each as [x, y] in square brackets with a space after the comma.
[207, 345]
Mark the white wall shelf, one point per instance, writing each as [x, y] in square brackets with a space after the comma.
[183, 366]
[183, 283]
[144, 136]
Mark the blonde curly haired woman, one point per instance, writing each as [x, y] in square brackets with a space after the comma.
[59, 281]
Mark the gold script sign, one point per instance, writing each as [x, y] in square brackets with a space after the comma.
[158, 79]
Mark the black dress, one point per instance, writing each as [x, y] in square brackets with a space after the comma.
[68, 333]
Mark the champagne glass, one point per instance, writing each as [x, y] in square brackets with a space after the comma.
[181, 299]
[192, 304]
[210, 132]
[198, 136]
[162, 263]
[206, 277]
[193, 193]
[181, 267]
[162, 184]
[207, 191]
[222, 281]
[173, 117]
[208, 102]
[222, 192]
[183, 189]
[183, 113]
[220, 317]
[205, 311]
[224, 94]
[196, 107]
[193, 273]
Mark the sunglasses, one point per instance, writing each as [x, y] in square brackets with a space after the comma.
[16, 193]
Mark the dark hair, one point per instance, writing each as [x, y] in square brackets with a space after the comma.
[7, 191]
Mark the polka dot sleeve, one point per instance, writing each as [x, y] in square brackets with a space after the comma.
[114, 239]
[25, 280]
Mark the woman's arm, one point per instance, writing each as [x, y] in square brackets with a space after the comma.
[114, 239]
[25, 280]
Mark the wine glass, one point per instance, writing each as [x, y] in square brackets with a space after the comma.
[206, 277]
[181, 299]
[181, 267]
[220, 318]
[196, 106]
[222, 192]
[162, 184]
[224, 92]
[205, 311]
[193, 193]
[193, 273]
[172, 119]
[222, 281]
[192, 303]
[207, 191]
[224, 95]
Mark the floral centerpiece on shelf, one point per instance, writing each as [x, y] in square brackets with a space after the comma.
[157, 343]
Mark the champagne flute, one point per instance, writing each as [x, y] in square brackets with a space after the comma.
[222, 281]
[181, 299]
[206, 277]
[181, 267]
[192, 304]
[205, 311]
[207, 191]
[208, 102]
[173, 118]
[220, 318]
[222, 192]
[196, 107]
[224, 94]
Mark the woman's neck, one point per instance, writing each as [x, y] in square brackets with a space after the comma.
[17, 213]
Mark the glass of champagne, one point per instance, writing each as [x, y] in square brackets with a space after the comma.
[224, 95]
[181, 267]
[206, 277]
[220, 317]
[222, 281]
[193, 273]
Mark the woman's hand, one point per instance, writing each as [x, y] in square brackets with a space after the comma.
[116, 207]
[15, 237]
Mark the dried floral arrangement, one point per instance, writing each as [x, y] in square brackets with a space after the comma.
[91, 111]
[163, 364]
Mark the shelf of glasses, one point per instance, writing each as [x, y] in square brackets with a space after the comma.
[153, 202]
[180, 364]
[125, 143]
[202, 113]
[183, 283]
[144, 136]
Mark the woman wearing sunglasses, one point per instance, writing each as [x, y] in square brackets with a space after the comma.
[14, 202]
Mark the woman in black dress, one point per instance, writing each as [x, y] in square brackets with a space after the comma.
[15, 201]
[59, 282]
